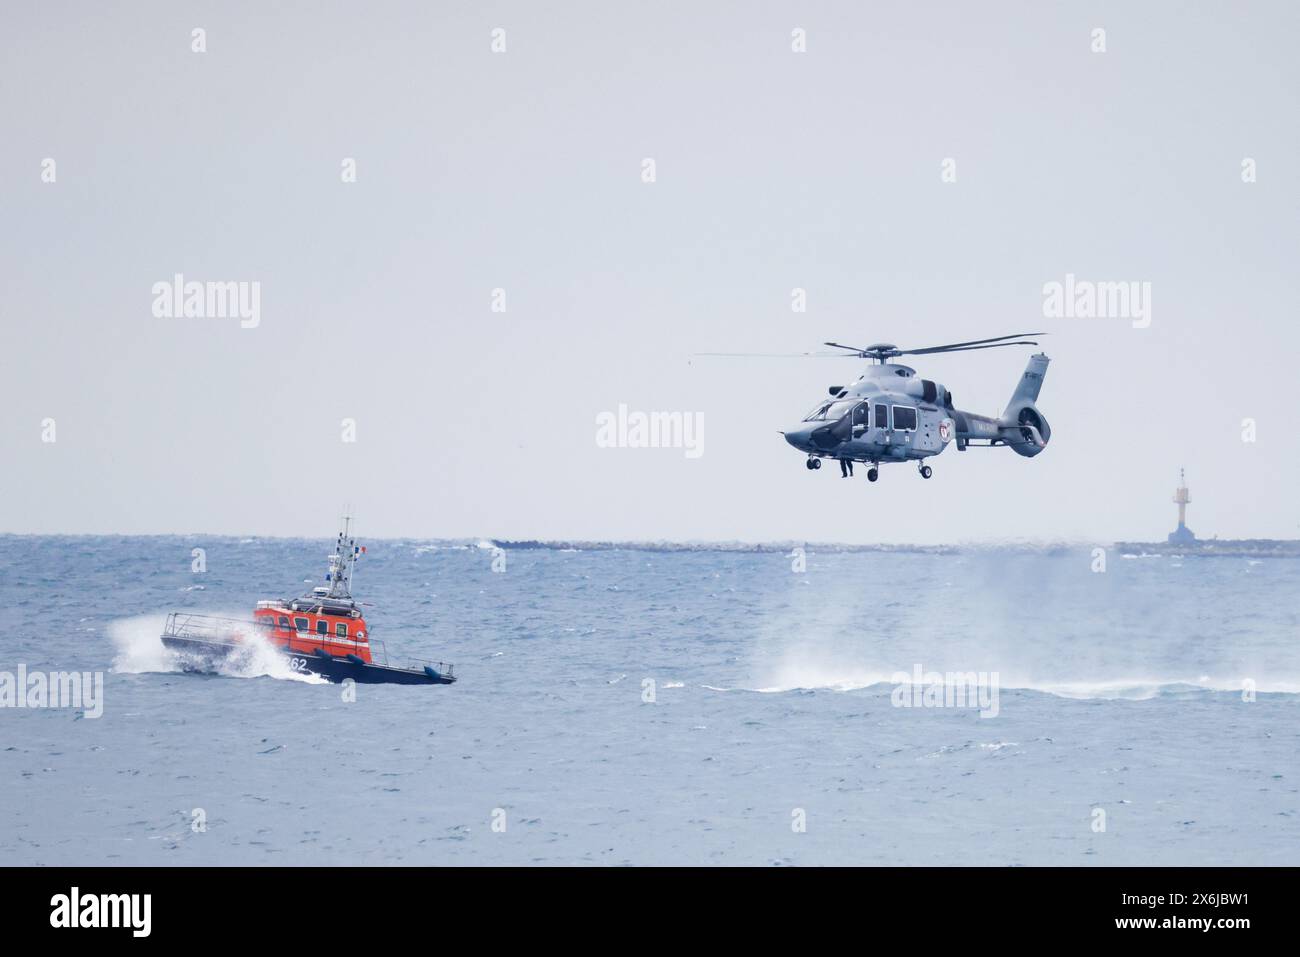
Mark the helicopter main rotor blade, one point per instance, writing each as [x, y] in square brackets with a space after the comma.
[955, 346]
[776, 355]
[885, 351]
[995, 345]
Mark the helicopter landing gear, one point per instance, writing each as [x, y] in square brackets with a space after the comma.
[926, 471]
[873, 473]
[813, 464]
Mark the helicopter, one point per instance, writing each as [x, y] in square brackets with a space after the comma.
[891, 415]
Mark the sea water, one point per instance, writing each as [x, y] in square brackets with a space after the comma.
[664, 706]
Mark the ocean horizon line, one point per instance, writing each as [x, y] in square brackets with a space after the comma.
[688, 545]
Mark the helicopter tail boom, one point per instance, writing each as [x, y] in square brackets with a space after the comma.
[1021, 428]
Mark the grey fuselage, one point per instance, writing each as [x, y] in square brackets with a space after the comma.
[888, 415]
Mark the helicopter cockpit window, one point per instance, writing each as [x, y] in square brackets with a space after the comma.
[830, 411]
[904, 418]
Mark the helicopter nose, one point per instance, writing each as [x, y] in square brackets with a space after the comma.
[799, 438]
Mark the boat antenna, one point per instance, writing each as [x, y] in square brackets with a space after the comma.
[354, 552]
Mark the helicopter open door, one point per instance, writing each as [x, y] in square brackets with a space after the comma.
[860, 420]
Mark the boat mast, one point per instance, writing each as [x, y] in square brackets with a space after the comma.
[343, 563]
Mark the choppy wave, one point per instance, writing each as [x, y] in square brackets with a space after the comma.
[1124, 688]
[139, 650]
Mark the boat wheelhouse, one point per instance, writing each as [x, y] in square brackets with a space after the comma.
[325, 618]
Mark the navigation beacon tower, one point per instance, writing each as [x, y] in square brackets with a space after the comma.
[1182, 535]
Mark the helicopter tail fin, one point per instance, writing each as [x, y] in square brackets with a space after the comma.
[1030, 383]
[1023, 427]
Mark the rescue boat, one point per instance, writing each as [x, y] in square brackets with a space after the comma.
[323, 632]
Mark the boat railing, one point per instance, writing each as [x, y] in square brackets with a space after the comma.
[379, 655]
[205, 627]
[442, 667]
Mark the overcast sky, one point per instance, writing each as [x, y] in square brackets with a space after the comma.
[523, 171]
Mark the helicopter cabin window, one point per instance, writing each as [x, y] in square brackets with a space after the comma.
[817, 413]
[905, 418]
[284, 622]
[322, 627]
[341, 629]
[301, 624]
[882, 416]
